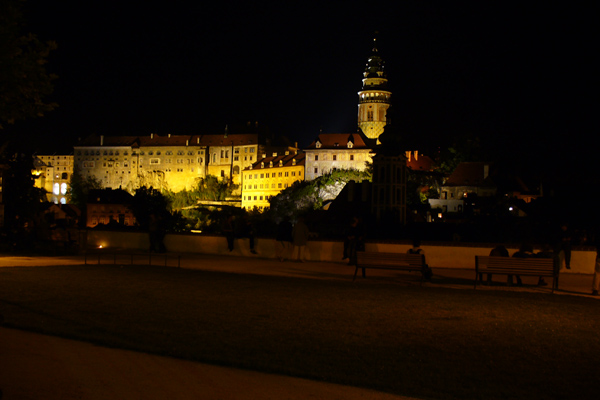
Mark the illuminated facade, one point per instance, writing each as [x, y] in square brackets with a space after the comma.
[374, 99]
[172, 162]
[53, 174]
[333, 151]
[270, 175]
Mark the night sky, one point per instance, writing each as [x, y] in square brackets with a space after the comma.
[517, 77]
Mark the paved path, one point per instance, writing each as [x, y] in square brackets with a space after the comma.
[34, 366]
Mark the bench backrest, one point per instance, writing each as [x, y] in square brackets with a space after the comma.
[531, 266]
[388, 259]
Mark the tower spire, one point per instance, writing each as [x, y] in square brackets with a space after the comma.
[374, 99]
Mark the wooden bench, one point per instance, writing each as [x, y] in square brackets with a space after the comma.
[532, 266]
[392, 261]
[132, 258]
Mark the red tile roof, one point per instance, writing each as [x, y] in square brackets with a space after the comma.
[339, 140]
[470, 174]
[287, 161]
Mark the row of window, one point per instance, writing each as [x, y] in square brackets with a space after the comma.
[257, 198]
[334, 157]
[266, 186]
[280, 174]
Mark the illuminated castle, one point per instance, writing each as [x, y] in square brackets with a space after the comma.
[374, 99]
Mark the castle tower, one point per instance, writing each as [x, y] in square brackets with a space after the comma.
[374, 99]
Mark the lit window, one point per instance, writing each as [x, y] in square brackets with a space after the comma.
[63, 188]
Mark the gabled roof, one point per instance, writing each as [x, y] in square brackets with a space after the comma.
[470, 174]
[286, 161]
[222, 140]
[340, 141]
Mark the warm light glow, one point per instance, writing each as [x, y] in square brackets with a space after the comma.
[440, 215]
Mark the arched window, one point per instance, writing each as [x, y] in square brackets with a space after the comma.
[56, 188]
[63, 188]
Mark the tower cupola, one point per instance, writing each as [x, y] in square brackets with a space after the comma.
[374, 99]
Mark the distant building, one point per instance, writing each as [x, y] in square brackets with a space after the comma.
[468, 180]
[333, 151]
[53, 174]
[268, 176]
[107, 206]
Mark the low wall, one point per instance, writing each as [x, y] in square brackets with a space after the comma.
[439, 255]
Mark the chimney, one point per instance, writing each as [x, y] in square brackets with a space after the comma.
[169, 135]
[486, 170]
[152, 136]
[101, 140]
[187, 142]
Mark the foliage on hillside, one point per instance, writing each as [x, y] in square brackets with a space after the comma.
[304, 196]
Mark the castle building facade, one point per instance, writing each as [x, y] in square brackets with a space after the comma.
[267, 177]
[53, 174]
[172, 162]
[334, 151]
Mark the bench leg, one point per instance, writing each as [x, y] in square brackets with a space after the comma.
[355, 272]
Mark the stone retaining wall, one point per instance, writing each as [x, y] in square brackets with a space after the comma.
[439, 255]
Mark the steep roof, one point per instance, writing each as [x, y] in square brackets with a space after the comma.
[470, 174]
[340, 141]
[287, 161]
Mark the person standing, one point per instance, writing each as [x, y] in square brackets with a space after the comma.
[565, 244]
[354, 241]
[227, 229]
[283, 238]
[300, 238]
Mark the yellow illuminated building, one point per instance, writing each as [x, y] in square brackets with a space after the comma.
[267, 177]
[374, 99]
[53, 174]
[172, 162]
[336, 151]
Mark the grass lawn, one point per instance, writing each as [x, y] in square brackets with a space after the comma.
[426, 342]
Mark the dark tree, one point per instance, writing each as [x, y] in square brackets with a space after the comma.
[24, 81]
[22, 200]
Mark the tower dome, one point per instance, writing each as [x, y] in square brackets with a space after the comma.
[374, 99]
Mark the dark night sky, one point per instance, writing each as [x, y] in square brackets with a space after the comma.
[518, 77]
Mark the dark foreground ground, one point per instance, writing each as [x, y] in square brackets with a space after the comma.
[425, 342]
